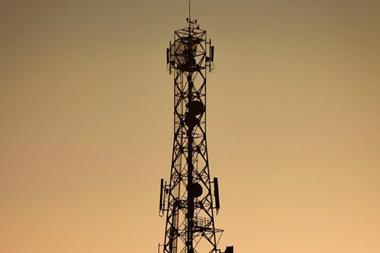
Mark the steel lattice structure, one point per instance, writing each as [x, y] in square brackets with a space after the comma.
[190, 199]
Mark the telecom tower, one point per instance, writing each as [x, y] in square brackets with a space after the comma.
[190, 199]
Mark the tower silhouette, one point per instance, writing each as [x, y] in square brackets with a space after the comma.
[190, 199]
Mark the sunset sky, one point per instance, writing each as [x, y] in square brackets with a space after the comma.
[86, 123]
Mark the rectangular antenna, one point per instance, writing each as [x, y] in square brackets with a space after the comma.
[167, 56]
[212, 53]
[161, 194]
[216, 193]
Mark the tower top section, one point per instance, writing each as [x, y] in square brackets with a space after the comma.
[190, 51]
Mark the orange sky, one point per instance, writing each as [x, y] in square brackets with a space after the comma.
[86, 123]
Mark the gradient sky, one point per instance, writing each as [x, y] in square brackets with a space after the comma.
[86, 123]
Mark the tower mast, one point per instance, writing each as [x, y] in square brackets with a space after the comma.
[190, 199]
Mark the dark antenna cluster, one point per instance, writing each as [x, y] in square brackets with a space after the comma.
[190, 199]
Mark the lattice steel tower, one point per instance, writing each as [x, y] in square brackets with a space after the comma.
[190, 199]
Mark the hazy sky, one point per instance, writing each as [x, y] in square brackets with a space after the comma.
[86, 123]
